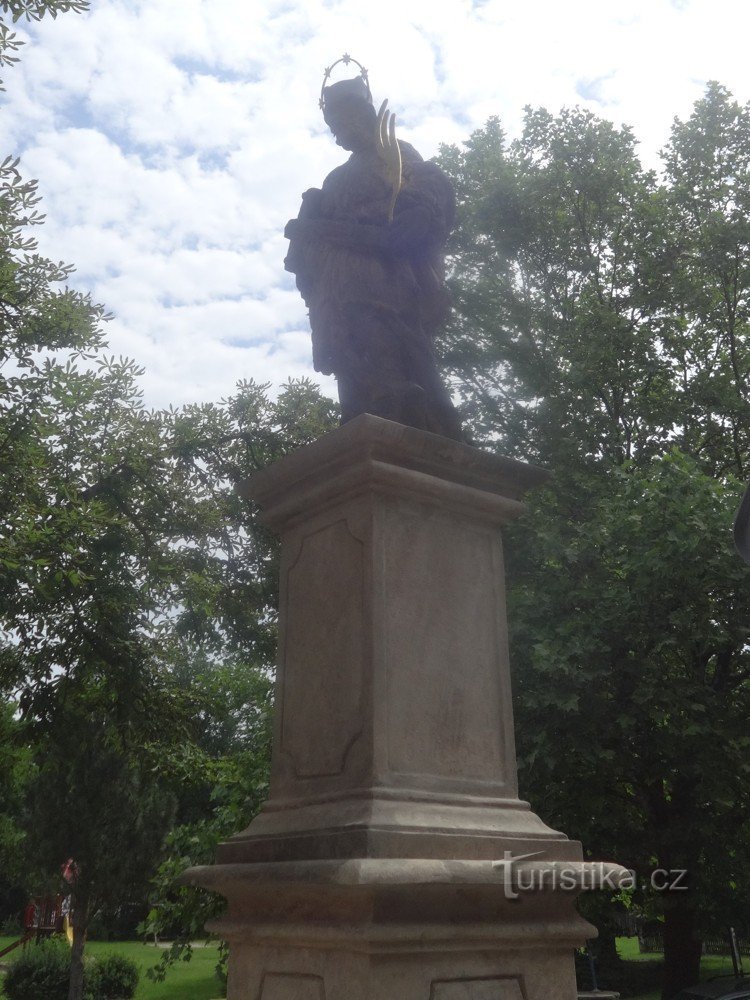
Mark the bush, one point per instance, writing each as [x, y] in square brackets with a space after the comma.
[11, 927]
[41, 972]
[112, 977]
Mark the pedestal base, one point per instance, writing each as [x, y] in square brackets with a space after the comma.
[412, 974]
[372, 871]
[402, 929]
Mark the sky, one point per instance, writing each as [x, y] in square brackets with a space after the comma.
[172, 139]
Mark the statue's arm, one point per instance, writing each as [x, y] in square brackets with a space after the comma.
[424, 212]
[412, 230]
[347, 235]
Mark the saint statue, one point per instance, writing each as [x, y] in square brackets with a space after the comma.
[367, 252]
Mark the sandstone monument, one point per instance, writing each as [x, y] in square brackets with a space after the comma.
[367, 251]
[393, 859]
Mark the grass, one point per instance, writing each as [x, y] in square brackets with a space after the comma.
[711, 965]
[627, 948]
[195, 979]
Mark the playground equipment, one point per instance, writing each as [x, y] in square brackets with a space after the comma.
[43, 917]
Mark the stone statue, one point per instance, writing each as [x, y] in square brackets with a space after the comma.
[367, 252]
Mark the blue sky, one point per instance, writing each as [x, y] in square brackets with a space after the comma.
[173, 138]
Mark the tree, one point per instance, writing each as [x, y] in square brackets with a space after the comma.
[14, 775]
[217, 797]
[120, 535]
[561, 239]
[628, 628]
[610, 310]
[37, 316]
[128, 545]
[228, 674]
[707, 167]
[98, 800]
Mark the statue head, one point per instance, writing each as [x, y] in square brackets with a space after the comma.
[349, 113]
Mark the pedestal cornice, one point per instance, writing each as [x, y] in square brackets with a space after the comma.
[372, 452]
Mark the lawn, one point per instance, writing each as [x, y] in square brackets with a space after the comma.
[711, 965]
[195, 979]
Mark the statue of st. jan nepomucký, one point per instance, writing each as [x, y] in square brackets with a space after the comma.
[367, 252]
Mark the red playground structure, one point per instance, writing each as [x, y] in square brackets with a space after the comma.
[43, 917]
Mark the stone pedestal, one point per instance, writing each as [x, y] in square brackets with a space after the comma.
[371, 873]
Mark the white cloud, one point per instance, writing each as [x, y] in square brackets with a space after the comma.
[173, 138]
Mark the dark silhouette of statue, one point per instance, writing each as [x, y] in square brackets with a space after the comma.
[367, 252]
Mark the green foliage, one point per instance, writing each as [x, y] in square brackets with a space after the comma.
[35, 10]
[646, 663]
[40, 972]
[220, 798]
[122, 544]
[14, 775]
[111, 977]
[707, 166]
[555, 233]
[150, 553]
[628, 978]
[11, 927]
[601, 312]
[31, 10]
[95, 798]
[602, 330]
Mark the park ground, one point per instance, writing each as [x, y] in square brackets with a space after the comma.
[197, 980]
[193, 980]
[711, 965]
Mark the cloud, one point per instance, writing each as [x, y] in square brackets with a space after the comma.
[173, 138]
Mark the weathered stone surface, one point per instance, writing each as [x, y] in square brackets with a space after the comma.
[367, 251]
[291, 986]
[394, 725]
[369, 873]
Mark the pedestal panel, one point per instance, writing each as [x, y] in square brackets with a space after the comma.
[323, 652]
[445, 652]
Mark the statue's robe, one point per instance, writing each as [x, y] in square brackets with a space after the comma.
[375, 289]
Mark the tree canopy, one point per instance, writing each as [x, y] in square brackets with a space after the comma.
[122, 545]
[601, 330]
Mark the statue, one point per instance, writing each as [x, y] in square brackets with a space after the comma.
[367, 252]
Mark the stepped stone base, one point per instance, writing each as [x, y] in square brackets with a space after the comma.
[400, 930]
[371, 872]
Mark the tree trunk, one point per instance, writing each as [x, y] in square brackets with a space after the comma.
[608, 962]
[80, 921]
[682, 947]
